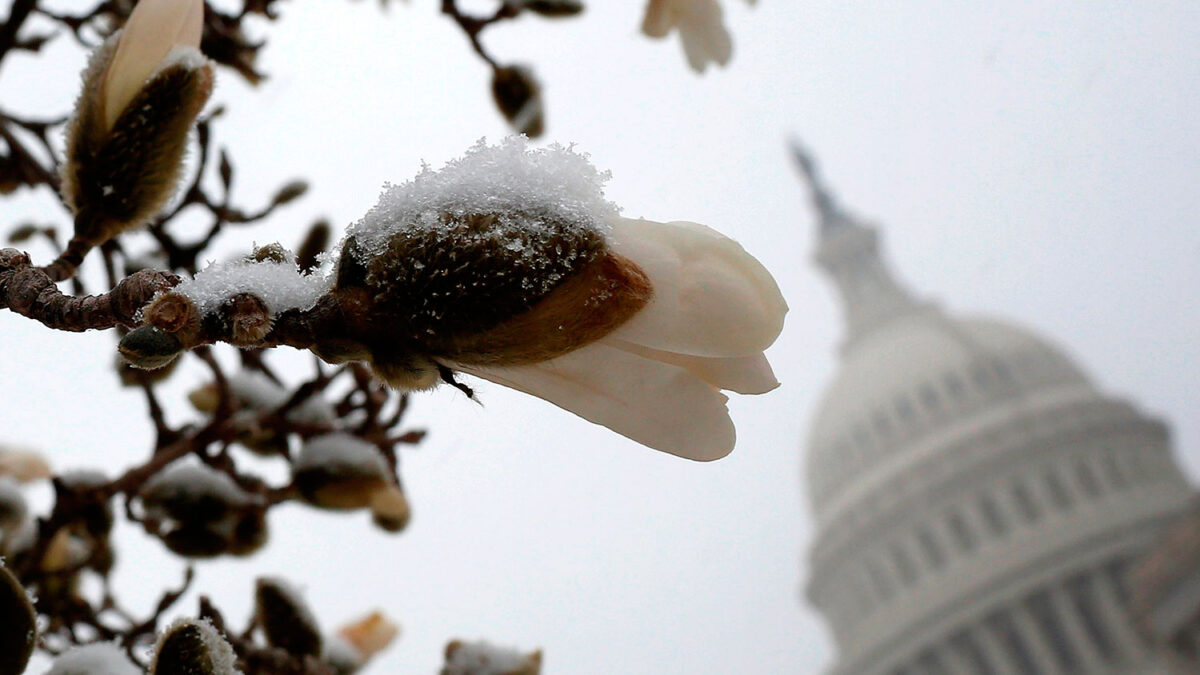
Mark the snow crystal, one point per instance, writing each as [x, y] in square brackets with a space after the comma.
[344, 451]
[260, 392]
[280, 285]
[219, 651]
[483, 658]
[101, 658]
[509, 178]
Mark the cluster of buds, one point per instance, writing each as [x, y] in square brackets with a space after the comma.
[200, 512]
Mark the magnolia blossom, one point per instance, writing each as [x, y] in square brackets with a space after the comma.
[154, 29]
[657, 377]
[701, 30]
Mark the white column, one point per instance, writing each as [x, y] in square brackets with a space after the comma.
[1068, 616]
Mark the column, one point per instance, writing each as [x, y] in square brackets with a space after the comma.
[1090, 660]
[1031, 632]
[994, 650]
[1113, 615]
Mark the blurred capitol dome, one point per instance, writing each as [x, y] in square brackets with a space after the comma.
[978, 500]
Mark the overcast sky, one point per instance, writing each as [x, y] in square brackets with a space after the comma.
[1029, 160]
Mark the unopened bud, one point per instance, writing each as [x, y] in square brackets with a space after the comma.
[274, 253]
[195, 509]
[148, 347]
[173, 313]
[315, 243]
[285, 619]
[249, 319]
[18, 624]
[339, 471]
[519, 98]
[126, 140]
[193, 647]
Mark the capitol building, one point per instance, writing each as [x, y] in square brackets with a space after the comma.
[978, 500]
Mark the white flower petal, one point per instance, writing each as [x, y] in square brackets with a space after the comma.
[154, 28]
[740, 374]
[711, 298]
[656, 404]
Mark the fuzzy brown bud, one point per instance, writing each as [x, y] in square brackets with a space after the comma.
[193, 647]
[518, 95]
[285, 619]
[249, 320]
[482, 658]
[339, 471]
[119, 176]
[175, 314]
[148, 347]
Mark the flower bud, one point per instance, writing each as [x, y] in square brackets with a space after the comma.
[142, 91]
[149, 347]
[340, 471]
[18, 624]
[285, 619]
[193, 647]
[197, 511]
[519, 98]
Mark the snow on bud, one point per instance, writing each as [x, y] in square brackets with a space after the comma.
[100, 658]
[193, 647]
[142, 91]
[18, 624]
[340, 471]
[285, 619]
[198, 511]
[249, 293]
[483, 658]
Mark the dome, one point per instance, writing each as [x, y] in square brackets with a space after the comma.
[926, 371]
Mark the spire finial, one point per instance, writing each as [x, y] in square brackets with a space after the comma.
[822, 200]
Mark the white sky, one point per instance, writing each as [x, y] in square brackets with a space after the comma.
[1028, 160]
